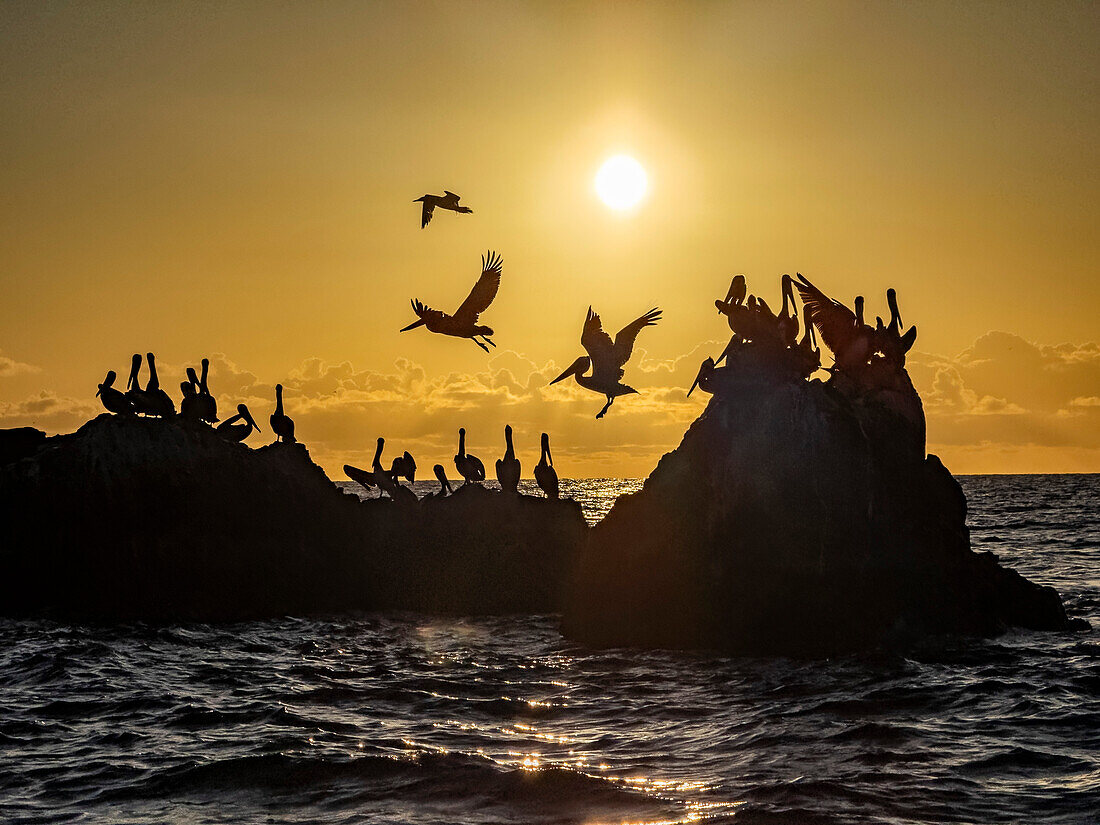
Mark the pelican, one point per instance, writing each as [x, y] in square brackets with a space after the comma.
[545, 475]
[381, 477]
[281, 423]
[403, 467]
[842, 331]
[444, 484]
[607, 359]
[787, 323]
[114, 400]
[238, 432]
[448, 200]
[191, 405]
[809, 356]
[463, 324]
[468, 466]
[209, 403]
[746, 320]
[702, 380]
[736, 293]
[159, 401]
[508, 467]
[890, 342]
[138, 397]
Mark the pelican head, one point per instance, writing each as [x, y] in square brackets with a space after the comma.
[441, 475]
[107, 382]
[859, 310]
[705, 369]
[187, 388]
[546, 448]
[736, 292]
[247, 416]
[578, 367]
[192, 377]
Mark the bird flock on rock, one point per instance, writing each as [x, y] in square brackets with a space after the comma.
[863, 355]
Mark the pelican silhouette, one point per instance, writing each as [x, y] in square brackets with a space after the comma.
[463, 324]
[843, 331]
[191, 404]
[233, 431]
[889, 340]
[545, 474]
[787, 323]
[448, 200]
[382, 479]
[809, 356]
[403, 467]
[138, 397]
[468, 466]
[114, 400]
[607, 359]
[209, 403]
[508, 468]
[281, 423]
[444, 484]
[159, 402]
[702, 379]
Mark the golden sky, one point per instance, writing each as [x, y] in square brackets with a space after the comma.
[237, 181]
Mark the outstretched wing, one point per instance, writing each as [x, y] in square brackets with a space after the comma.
[624, 341]
[426, 213]
[835, 321]
[426, 313]
[597, 343]
[484, 291]
[451, 195]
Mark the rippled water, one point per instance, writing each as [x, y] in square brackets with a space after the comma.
[416, 719]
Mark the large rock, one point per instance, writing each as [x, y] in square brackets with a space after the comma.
[146, 518]
[796, 517]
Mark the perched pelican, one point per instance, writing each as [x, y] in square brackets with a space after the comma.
[114, 400]
[545, 475]
[889, 340]
[747, 322]
[449, 200]
[382, 479]
[736, 293]
[706, 369]
[468, 466]
[607, 359]
[191, 405]
[444, 484]
[209, 403]
[403, 467]
[787, 323]
[159, 400]
[844, 332]
[463, 324]
[809, 356]
[508, 467]
[281, 423]
[138, 397]
[238, 432]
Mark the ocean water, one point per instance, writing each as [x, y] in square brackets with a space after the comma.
[410, 718]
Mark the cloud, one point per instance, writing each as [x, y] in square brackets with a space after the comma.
[10, 367]
[47, 411]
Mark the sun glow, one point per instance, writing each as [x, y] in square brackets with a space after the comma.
[621, 182]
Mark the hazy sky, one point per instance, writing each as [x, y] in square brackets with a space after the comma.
[237, 181]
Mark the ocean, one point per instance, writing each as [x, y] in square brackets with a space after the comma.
[413, 718]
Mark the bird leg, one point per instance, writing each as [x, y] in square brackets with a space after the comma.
[610, 400]
[488, 340]
[480, 344]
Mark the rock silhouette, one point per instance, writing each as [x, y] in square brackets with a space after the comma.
[796, 517]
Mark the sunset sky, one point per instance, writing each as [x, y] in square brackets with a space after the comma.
[237, 181]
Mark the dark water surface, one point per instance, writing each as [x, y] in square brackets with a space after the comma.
[417, 719]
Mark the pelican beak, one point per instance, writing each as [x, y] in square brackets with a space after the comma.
[572, 370]
[97, 392]
[694, 383]
[413, 325]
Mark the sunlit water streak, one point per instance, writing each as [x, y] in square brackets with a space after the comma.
[416, 719]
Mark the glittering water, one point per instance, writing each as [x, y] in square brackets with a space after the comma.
[416, 719]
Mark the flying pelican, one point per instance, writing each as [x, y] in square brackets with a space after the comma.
[468, 466]
[842, 331]
[607, 359]
[238, 432]
[702, 379]
[209, 403]
[160, 401]
[463, 324]
[545, 475]
[114, 400]
[281, 423]
[508, 467]
[449, 200]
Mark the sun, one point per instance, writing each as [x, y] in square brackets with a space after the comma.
[621, 182]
